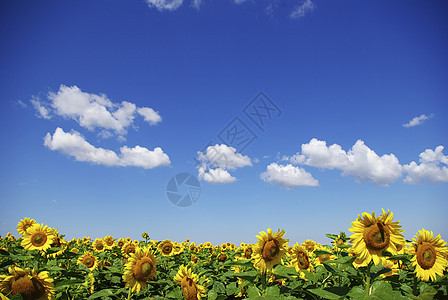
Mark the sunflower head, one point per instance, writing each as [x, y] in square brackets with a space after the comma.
[429, 255]
[128, 249]
[189, 284]
[270, 249]
[300, 258]
[373, 235]
[24, 224]
[38, 237]
[109, 242]
[166, 248]
[99, 245]
[89, 260]
[140, 268]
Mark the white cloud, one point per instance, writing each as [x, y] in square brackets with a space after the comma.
[150, 116]
[225, 157]
[418, 120]
[196, 3]
[429, 169]
[74, 145]
[21, 104]
[165, 4]
[301, 10]
[217, 160]
[93, 111]
[360, 161]
[42, 112]
[240, 1]
[216, 176]
[288, 176]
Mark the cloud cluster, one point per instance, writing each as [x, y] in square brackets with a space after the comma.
[360, 162]
[432, 167]
[217, 160]
[301, 10]
[288, 176]
[93, 111]
[74, 144]
[164, 4]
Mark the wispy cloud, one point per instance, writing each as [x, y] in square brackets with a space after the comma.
[164, 4]
[301, 10]
[418, 120]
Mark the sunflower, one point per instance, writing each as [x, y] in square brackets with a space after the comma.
[89, 283]
[309, 245]
[38, 237]
[109, 242]
[89, 260]
[323, 256]
[166, 248]
[3, 297]
[270, 249]
[128, 249]
[189, 284]
[29, 285]
[24, 224]
[140, 268]
[373, 235]
[58, 242]
[300, 258]
[99, 245]
[121, 242]
[248, 250]
[429, 255]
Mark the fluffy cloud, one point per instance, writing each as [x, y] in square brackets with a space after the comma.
[430, 169]
[288, 176]
[216, 160]
[94, 111]
[360, 161]
[74, 145]
[165, 4]
[216, 176]
[301, 10]
[224, 157]
[417, 120]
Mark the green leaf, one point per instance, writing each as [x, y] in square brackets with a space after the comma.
[219, 287]
[273, 291]
[212, 295]
[324, 294]
[332, 236]
[102, 293]
[357, 292]
[232, 289]
[4, 252]
[253, 292]
[382, 290]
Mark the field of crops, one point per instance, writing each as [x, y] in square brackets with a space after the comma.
[374, 262]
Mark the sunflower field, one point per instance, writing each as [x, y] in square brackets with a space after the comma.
[374, 262]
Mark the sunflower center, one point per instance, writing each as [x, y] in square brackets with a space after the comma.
[146, 268]
[302, 260]
[270, 250]
[167, 249]
[324, 257]
[89, 262]
[309, 247]
[38, 239]
[426, 256]
[377, 237]
[188, 288]
[56, 243]
[248, 253]
[130, 249]
[100, 246]
[28, 288]
[143, 269]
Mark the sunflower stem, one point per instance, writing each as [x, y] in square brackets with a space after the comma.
[414, 287]
[129, 294]
[263, 282]
[368, 279]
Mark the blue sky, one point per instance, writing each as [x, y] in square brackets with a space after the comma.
[103, 102]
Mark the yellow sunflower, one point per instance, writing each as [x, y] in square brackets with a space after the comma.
[99, 245]
[24, 224]
[166, 248]
[58, 242]
[322, 257]
[373, 235]
[189, 284]
[140, 268]
[89, 260]
[429, 255]
[300, 258]
[3, 297]
[38, 237]
[128, 249]
[28, 284]
[121, 242]
[309, 245]
[270, 249]
[248, 250]
[109, 241]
